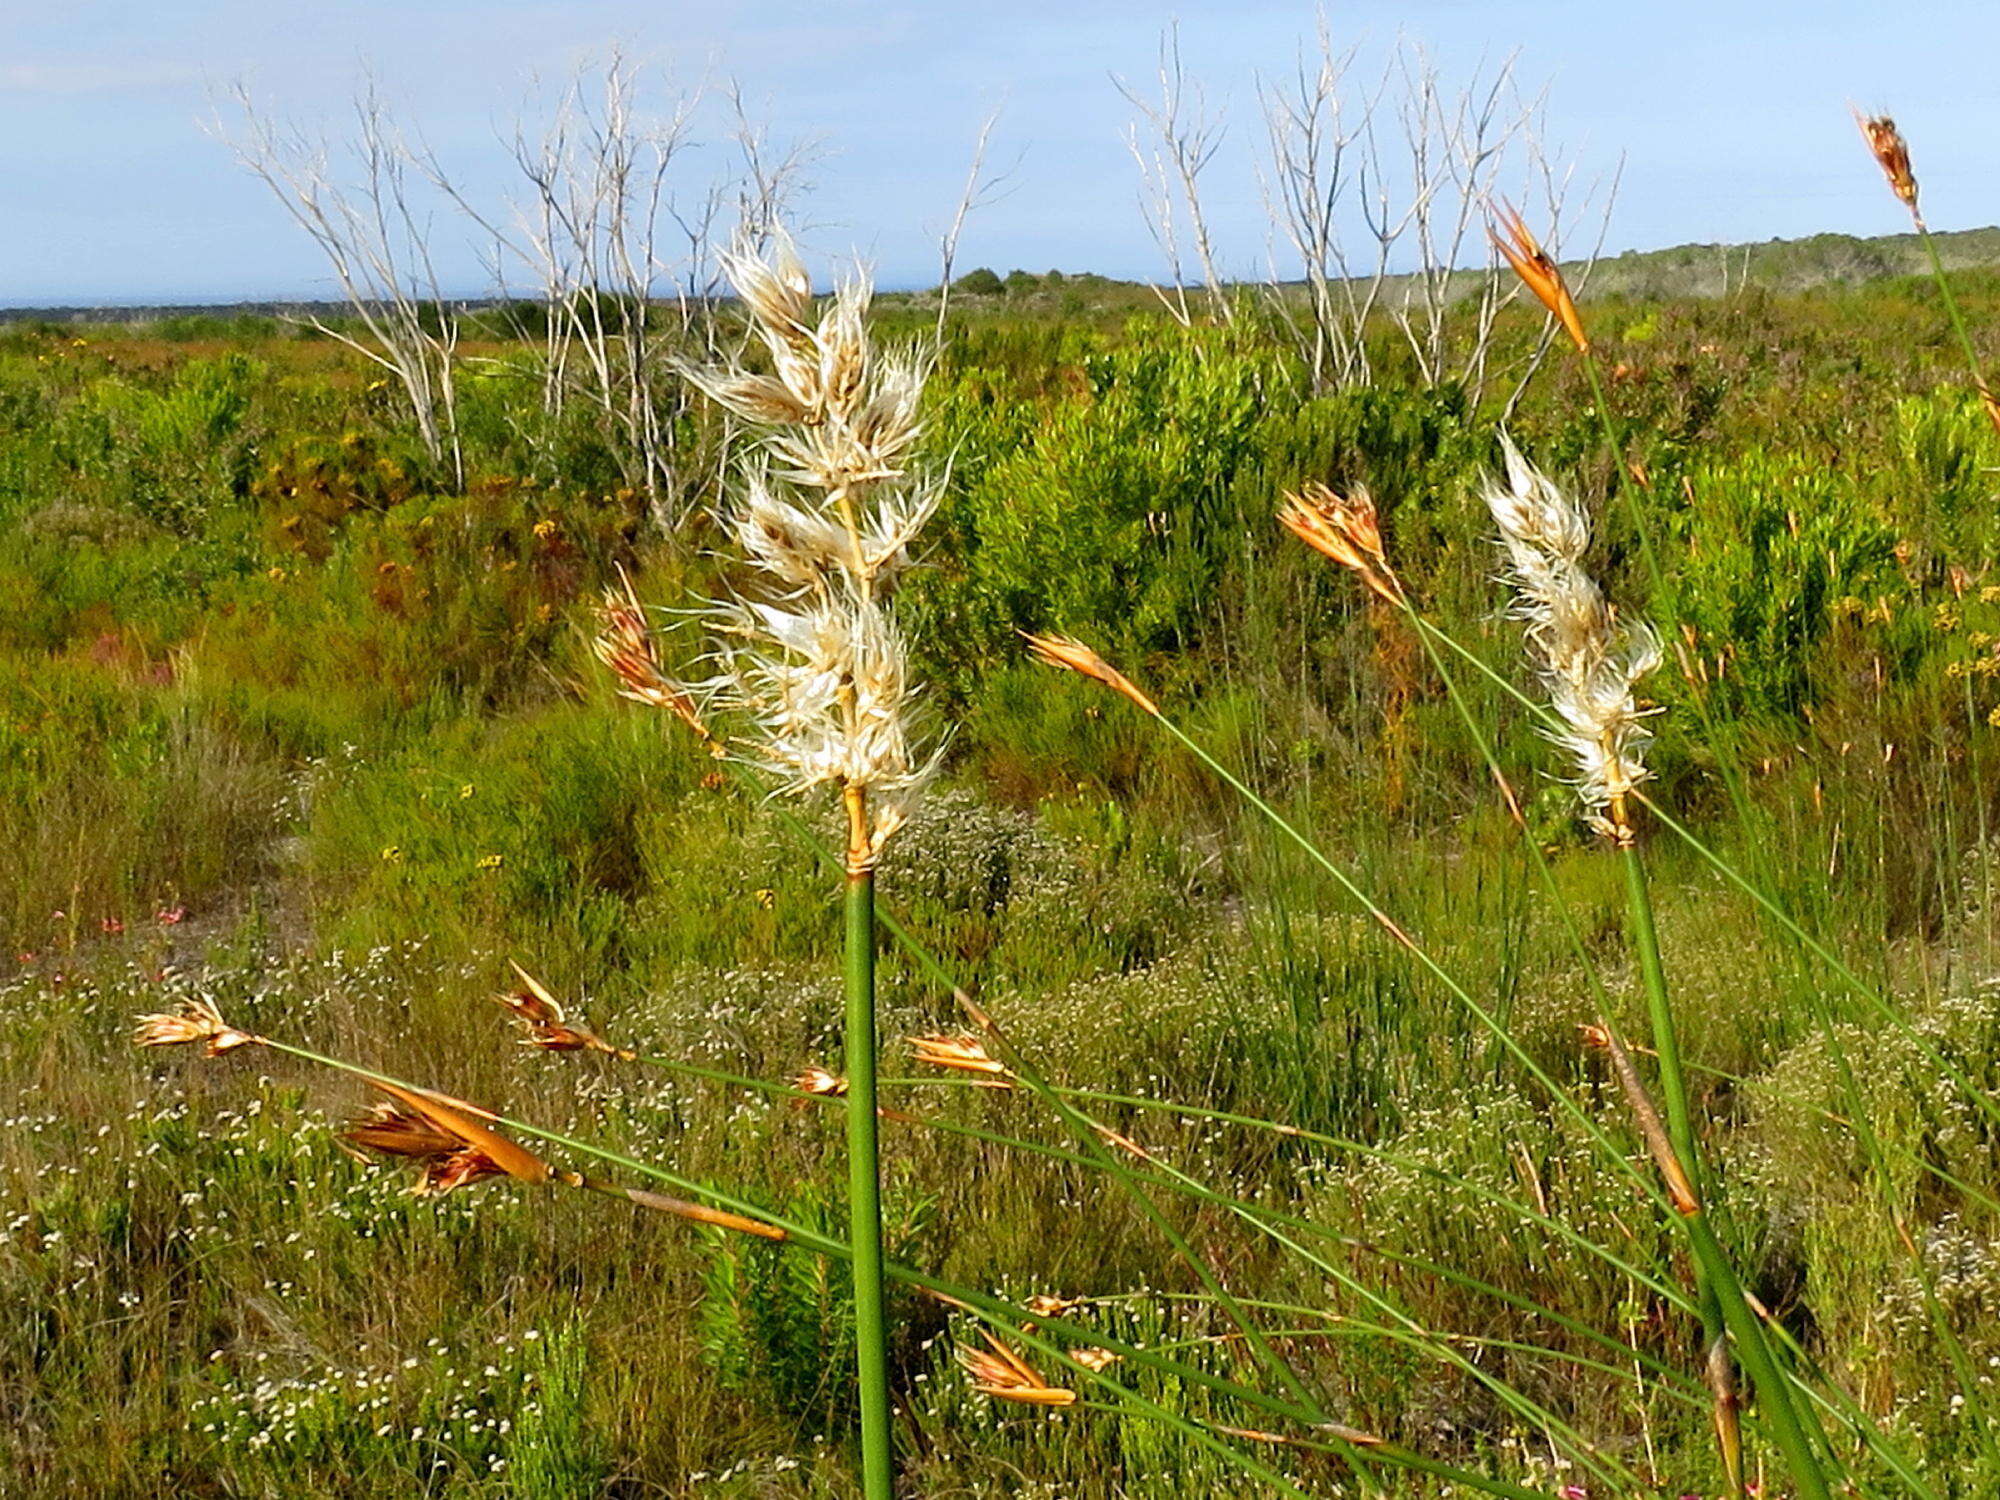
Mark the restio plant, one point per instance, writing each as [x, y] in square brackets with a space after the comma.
[1349, 1055]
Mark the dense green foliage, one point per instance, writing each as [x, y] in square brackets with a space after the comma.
[285, 721]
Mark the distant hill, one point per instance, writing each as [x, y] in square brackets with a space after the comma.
[1677, 271]
[1787, 265]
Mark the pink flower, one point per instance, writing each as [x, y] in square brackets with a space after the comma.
[169, 916]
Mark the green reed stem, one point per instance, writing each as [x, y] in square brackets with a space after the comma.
[1031, 1329]
[864, 1193]
[1718, 1288]
[1950, 303]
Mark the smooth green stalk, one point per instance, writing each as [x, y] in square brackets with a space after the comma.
[1262, 1211]
[1671, 1064]
[1091, 1135]
[1030, 1329]
[1673, 1083]
[1753, 1350]
[1951, 304]
[1862, 990]
[1660, 1014]
[864, 1192]
[1718, 1287]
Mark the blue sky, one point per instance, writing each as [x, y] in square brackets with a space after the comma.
[1731, 118]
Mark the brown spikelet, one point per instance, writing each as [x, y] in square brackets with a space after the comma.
[1122, 1141]
[624, 643]
[1892, 153]
[542, 1020]
[474, 1152]
[1342, 527]
[964, 1053]
[1061, 651]
[1538, 272]
[195, 1021]
[390, 1129]
[1992, 404]
[999, 1372]
[817, 1080]
[1352, 1436]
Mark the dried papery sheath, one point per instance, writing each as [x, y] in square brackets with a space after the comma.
[1589, 661]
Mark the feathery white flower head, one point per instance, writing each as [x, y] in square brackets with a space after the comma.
[1590, 662]
[811, 663]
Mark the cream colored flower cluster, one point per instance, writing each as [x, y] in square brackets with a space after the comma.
[809, 656]
[1589, 660]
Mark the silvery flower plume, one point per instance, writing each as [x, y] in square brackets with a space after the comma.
[1590, 662]
[808, 658]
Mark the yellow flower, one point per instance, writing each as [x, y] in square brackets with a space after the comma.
[1945, 618]
[490, 861]
[545, 528]
[465, 791]
[1994, 718]
[392, 854]
[1954, 670]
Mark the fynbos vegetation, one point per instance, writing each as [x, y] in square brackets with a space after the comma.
[1498, 999]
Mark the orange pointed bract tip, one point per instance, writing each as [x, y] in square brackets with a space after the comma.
[542, 1020]
[701, 1213]
[1538, 272]
[964, 1053]
[444, 1135]
[999, 1372]
[1074, 656]
[1891, 153]
[195, 1020]
[1343, 528]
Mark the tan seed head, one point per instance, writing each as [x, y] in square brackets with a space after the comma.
[964, 1053]
[1343, 528]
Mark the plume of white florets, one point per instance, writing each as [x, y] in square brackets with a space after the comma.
[1590, 662]
[808, 658]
